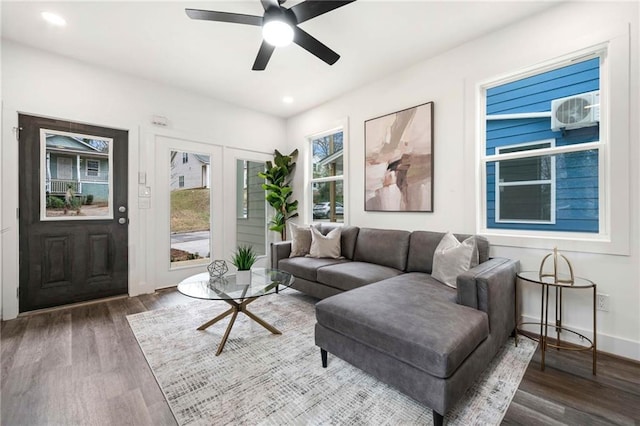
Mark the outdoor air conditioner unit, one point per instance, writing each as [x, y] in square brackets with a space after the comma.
[574, 112]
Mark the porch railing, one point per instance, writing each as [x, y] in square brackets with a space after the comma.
[60, 186]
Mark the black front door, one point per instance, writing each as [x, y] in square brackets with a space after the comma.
[73, 212]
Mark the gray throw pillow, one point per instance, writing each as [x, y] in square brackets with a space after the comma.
[453, 258]
[300, 239]
[325, 245]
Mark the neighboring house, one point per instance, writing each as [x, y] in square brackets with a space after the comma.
[189, 170]
[74, 162]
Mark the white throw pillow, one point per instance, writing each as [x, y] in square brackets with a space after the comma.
[453, 258]
[325, 245]
[300, 239]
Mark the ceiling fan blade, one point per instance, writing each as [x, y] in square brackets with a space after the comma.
[264, 54]
[235, 18]
[312, 8]
[313, 46]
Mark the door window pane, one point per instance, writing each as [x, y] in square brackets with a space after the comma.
[190, 208]
[75, 176]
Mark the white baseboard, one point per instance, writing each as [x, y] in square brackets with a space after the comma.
[605, 343]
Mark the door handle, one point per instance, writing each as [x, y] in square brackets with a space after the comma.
[123, 221]
[122, 209]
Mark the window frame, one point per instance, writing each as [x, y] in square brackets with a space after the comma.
[551, 182]
[97, 169]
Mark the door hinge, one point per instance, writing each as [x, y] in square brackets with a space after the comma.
[16, 130]
[18, 293]
[17, 212]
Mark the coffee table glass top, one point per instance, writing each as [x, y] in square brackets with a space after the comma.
[263, 281]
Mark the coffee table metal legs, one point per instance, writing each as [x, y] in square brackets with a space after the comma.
[233, 310]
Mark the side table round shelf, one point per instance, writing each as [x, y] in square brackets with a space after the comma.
[546, 282]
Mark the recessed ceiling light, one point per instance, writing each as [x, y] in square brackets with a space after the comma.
[287, 99]
[54, 19]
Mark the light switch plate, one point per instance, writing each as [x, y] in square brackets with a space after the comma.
[144, 203]
[144, 191]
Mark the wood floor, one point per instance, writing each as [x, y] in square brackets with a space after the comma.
[83, 366]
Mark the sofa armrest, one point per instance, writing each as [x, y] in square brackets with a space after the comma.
[279, 250]
[490, 287]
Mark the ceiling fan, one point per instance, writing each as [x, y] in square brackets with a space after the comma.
[280, 26]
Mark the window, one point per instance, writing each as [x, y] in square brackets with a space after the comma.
[93, 168]
[185, 157]
[242, 190]
[543, 150]
[180, 181]
[525, 187]
[327, 179]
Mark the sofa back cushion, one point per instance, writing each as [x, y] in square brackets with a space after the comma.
[386, 247]
[423, 245]
[347, 240]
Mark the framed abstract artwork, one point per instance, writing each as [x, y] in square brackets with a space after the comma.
[399, 161]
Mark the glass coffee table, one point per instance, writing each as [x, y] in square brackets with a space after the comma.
[263, 281]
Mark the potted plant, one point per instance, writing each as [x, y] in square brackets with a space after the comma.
[243, 258]
[278, 186]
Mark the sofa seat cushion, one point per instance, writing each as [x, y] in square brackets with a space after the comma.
[349, 275]
[434, 289]
[306, 267]
[404, 320]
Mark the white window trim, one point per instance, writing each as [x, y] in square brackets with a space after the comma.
[615, 85]
[552, 182]
[87, 168]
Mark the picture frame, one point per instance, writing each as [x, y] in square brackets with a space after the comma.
[399, 160]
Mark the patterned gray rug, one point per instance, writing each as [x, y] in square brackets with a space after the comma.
[267, 379]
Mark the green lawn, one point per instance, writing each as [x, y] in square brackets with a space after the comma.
[190, 210]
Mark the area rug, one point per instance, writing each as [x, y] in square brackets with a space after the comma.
[267, 379]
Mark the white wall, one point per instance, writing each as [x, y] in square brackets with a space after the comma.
[451, 80]
[39, 83]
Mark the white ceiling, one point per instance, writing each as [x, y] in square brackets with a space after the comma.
[157, 41]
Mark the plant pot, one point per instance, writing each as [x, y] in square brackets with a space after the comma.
[243, 277]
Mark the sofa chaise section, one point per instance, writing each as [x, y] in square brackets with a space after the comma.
[384, 313]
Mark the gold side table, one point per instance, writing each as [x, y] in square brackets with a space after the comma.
[546, 282]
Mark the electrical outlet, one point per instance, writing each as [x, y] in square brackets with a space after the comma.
[602, 302]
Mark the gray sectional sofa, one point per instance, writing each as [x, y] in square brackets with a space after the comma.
[389, 317]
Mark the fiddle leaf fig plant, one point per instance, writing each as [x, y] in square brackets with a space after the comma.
[278, 176]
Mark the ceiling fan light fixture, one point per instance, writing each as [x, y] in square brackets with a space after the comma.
[277, 33]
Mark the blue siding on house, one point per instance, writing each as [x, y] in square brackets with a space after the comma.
[100, 191]
[576, 173]
[535, 93]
